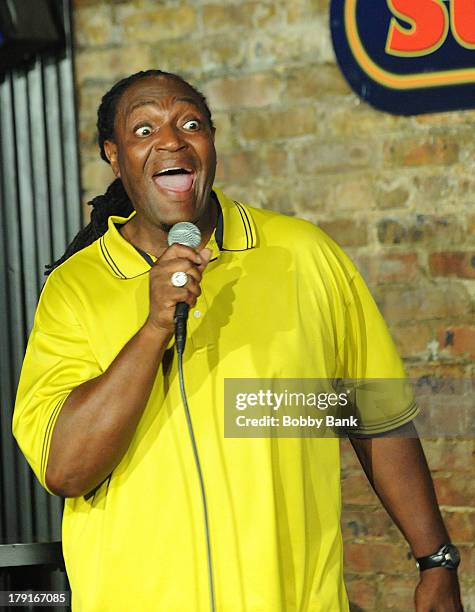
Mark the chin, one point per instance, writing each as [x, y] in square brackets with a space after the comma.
[168, 221]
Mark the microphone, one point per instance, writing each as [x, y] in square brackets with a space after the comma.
[188, 234]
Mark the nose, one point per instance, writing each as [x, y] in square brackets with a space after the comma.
[169, 138]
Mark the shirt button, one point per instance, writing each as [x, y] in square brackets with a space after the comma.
[197, 314]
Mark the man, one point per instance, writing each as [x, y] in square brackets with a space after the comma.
[99, 413]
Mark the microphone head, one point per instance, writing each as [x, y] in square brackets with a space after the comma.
[185, 233]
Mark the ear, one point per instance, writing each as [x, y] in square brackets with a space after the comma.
[111, 152]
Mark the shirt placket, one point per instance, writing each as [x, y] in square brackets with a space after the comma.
[199, 330]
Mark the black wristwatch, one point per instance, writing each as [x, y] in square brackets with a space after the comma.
[447, 556]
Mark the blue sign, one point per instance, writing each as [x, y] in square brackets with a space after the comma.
[407, 56]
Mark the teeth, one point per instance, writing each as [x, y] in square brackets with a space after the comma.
[173, 171]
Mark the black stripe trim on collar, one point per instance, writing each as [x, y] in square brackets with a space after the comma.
[251, 233]
[109, 260]
[145, 255]
[242, 213]
[219, 230]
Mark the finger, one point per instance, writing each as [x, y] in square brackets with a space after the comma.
[180, 251]
[205, 255]
[173, 294]
[193, 287]
[176, 295]
[185, 295]
[168, 267]
[167, 278]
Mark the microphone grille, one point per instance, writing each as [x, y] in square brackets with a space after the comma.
[185, 233]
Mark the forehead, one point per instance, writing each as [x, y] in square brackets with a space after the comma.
[158, 90]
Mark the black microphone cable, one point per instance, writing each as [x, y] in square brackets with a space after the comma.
[200, 476]
[189, 235]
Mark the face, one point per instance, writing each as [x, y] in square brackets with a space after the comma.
[163, 151]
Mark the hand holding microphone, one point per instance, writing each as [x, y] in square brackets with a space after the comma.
[175, 281]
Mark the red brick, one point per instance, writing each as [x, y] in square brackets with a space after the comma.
[467, 564]
[348, 458]
[457, 340]
[388, 267]
[311, 157]
[454, 490]
[417, 152]
[467, 588]
[449, 455]
[391, 231]
[444, 370]
[179, 56]
[429, 187]
[219, 16]
[280, 193]
[421, 230]
[315, 82]
[361, 593]
[471, 224]
[347, 232]
[445, 415]
[222, 52]
[453, 263]
[87, 133]
[277, 124]
[423, 302]
[93, 25]
[303, 10]
[352, 193]
[365, 522]
[243, 92]
[159, 23]
[279, 47]
[275, 160]
[461, 526]
[225, 139]
[97, 175]
[356, 489]
[109, 65]
[355, 121]
[412, 339]
[397, 593]
[392, 193]
[377, 557]
[238, 166]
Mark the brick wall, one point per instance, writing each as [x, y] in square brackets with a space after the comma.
[396, 192]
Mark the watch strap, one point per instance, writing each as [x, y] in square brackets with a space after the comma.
[447, 556]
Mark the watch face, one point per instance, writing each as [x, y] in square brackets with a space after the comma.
[451, 555]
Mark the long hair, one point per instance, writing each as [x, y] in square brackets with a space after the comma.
[115, 201]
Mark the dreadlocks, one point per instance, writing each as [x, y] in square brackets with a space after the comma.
[115, 200]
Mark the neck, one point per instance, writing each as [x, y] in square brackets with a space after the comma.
[153, 239]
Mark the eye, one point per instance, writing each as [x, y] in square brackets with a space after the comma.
[143, 130]
[192, 125]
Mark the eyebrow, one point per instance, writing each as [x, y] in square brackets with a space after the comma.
[153, 102]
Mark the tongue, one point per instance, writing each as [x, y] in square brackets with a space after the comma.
[175, 182]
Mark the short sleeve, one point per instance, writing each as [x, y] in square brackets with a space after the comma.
[382, 395]
[58, 359]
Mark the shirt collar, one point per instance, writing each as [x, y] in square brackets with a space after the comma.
[124, 261]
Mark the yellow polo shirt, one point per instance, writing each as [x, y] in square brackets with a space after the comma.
[279, 300]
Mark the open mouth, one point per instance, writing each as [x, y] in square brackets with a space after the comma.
[175, 179]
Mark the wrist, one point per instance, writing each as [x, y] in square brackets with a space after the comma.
[156, 334]
[437, 574]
